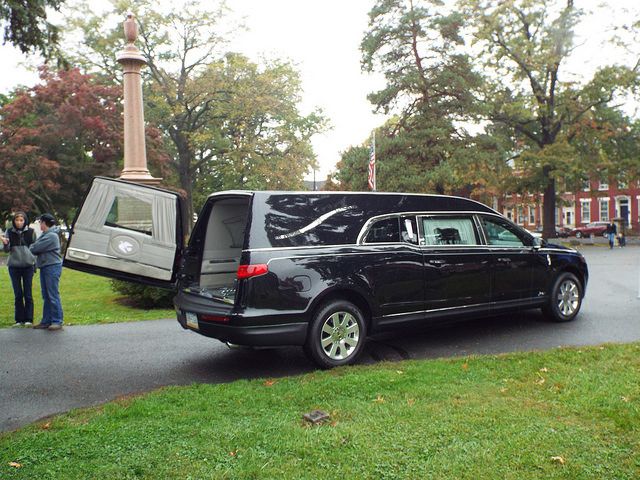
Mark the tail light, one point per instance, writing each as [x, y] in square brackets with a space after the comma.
[248, 271]
[213, 318]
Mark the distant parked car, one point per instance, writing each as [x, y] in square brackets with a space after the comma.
[593, 228]
[561, 232]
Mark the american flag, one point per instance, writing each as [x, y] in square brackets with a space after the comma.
[372, 163]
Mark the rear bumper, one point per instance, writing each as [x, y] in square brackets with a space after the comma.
[259, 331]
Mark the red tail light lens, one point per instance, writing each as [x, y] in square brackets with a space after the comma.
[213, 318]
[248, 271]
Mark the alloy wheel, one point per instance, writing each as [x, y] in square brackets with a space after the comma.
[340, 335]
[568, 297]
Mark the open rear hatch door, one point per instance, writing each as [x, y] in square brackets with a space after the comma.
[127, 231]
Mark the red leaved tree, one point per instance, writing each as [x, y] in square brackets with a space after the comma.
[56, 136]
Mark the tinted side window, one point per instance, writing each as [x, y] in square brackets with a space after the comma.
[384, 231]
[500, 233]
[449, 231]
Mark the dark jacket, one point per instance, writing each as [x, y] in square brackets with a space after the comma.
[19, 242]
[611, 228]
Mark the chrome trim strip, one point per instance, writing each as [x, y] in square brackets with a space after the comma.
[71, 251]
[422, 213]
[438, 309]
[523, 302]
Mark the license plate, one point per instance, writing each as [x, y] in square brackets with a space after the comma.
[192, 320]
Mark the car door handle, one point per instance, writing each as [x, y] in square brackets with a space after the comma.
[504, 259]
[437, 262]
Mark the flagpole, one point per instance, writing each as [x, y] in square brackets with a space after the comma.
[375, 185]
[371, 167]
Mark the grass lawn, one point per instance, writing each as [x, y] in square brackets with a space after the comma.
[563, 414]
[85, 299]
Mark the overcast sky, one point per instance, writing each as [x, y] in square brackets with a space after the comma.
[323, 37]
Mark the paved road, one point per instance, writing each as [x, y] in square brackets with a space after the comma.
[43, 373]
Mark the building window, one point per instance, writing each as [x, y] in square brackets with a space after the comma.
[520, 215]
[603, 185]
[604, 209]
[585, 207]
[622, 184]
[586, 185]
[532, 215]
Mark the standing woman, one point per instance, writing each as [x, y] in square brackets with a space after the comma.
[21, 266]
[49, 261]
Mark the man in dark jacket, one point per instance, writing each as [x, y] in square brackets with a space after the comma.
[611, 233]
[49, 261]
[21, 263]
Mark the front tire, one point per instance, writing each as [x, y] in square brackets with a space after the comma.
[565, 299]
[336, 335]
[578, 234]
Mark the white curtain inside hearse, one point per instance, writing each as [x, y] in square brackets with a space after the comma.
[128, 228]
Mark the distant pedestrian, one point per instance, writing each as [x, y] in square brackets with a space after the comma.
[611, 233]
[622, 241]
[21, 263]
[49, 261]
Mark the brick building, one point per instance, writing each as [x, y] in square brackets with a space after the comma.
[597, 201]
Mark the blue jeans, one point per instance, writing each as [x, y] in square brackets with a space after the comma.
[21, 279]
[50, 283]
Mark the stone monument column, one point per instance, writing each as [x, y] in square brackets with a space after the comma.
[135, 154]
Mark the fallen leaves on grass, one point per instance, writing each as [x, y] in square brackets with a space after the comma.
[45, 426]
[544, 369]
[269, 383]
[379, 399]
[558, 459]
[411, 402]
[15, 464]
[465, 366]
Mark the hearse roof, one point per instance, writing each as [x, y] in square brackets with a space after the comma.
[293, 219]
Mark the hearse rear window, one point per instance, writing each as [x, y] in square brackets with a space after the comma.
[449, 231]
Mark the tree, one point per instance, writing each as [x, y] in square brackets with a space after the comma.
[27, 28]
[219, 112]
[524, 47]
[58, 135]
[256, 138]
[429, 85]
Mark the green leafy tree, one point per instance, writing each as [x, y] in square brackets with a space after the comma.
[430, 88]
[429, 83]
[228, 122]
[524, 46]
[26, 25]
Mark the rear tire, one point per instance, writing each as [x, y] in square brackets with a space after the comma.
[565, 298]
[578, 234]
[336, 334]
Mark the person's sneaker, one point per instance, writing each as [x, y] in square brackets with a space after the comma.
[18, 324]
[41, 326]
[28, 324]
[55, 326]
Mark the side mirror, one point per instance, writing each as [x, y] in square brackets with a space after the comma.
[538, 242]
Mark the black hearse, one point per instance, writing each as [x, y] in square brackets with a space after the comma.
[319, 269]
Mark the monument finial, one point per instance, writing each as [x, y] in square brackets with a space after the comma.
[130, 28]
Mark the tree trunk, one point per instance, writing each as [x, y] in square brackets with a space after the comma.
[185, 162]
[549, 205]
